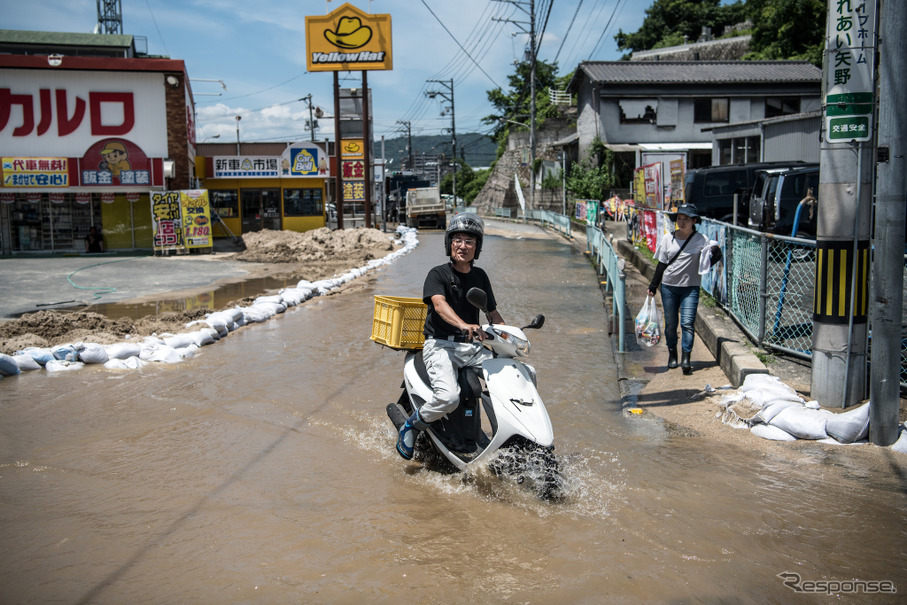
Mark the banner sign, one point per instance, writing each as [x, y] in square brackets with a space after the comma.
[35, 172]
[850, 70]
[196, 217]
[235, 167]
[181, 219]
[305, 159]
[166, 220]
[348, 39]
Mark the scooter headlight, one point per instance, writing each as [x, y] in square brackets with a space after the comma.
[520, 345]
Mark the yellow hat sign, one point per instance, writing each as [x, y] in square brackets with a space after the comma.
[348, 39]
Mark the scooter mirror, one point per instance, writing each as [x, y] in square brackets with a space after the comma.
[537, 322]
[478, 298]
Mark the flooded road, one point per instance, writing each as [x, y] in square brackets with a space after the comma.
[263, 471]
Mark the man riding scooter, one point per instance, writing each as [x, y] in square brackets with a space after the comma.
[451, 324]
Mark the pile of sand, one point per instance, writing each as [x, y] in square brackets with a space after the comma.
[357, 246]
[312, 255]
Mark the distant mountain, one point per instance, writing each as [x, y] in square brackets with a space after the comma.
[478, 149]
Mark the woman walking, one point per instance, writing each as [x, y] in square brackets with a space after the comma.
[677, 273]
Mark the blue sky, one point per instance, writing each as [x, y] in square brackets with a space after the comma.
[257, 48]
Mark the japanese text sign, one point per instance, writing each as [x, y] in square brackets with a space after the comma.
[849, 70]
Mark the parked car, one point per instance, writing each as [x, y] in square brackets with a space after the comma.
[777, 195]
[712, 189]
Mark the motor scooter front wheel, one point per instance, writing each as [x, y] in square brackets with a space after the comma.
[528, 463]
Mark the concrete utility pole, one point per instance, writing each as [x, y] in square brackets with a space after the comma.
[532, 61]
[449, 84]
[409, 141]
[841, 306]
[890, 214]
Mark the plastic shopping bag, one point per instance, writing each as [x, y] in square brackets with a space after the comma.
[648, 329]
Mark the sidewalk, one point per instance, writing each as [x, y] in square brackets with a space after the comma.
[722, 353]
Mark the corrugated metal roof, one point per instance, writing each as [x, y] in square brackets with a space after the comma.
[13, 36]
[699, 72]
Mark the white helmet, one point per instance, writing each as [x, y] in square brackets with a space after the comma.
[465, 222]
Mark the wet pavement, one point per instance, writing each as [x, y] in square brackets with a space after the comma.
[263, 470]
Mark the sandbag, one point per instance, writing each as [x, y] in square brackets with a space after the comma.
[65, 353]
[39, 354]
[152, 351]
[187, 352]
[91, 352]
[901, 444]
[770, 410]
[8, 365]
[203, 337]
[851, 426]
[123, 350]
[129, 363]
[178, 341]
[801, 422]
[26, 362]
[767, 431]
[257, 313]
[762, 388]
[61, 365]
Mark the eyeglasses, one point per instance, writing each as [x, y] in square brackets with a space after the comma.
[469, 243]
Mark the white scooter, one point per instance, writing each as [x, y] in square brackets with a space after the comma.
[516, 438]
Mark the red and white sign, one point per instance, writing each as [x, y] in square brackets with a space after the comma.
[62, 113]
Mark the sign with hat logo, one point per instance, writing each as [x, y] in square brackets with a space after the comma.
[348, 39]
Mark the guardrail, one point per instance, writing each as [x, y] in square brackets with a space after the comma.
[610, 266]
[556, 221]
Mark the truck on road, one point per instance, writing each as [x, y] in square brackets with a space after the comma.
[424, 208]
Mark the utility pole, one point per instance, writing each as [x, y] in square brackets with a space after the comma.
[313, 113]
[532, 64]
[840, 313]
[891, 195]
[453, 126]
[409, 141]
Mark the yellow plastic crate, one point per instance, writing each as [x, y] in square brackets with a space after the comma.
[399, 322]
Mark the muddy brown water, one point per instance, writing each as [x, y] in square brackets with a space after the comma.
[263, 471]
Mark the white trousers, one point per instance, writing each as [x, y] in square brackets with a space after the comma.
[443, 358]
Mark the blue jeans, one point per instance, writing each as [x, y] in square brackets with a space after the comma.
[679, 301]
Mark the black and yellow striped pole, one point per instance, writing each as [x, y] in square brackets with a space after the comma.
[842, 282]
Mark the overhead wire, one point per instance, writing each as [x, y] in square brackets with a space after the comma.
[567, 33]
[614, 14]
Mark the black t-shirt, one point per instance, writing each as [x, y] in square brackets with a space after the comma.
[453, 285]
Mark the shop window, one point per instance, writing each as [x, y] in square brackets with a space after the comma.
[781, 106]
[707, 110]
[638, 111]
[225, 203]
[302, 202]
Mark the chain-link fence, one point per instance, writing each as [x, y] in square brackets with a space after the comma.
[767, 283]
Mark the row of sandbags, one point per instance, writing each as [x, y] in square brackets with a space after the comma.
[773, 410]
[173, 348]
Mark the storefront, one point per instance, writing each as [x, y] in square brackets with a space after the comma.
[83, 143]
[279, 192]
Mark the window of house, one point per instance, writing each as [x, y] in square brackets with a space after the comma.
[725, 152]
[224, 202]
[710, 110]
[302, 202]
[638, 111]
[781, 106]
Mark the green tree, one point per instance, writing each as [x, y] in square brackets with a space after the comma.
[592, 178]
[515, 104]
[787, 29]
[667, 22]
